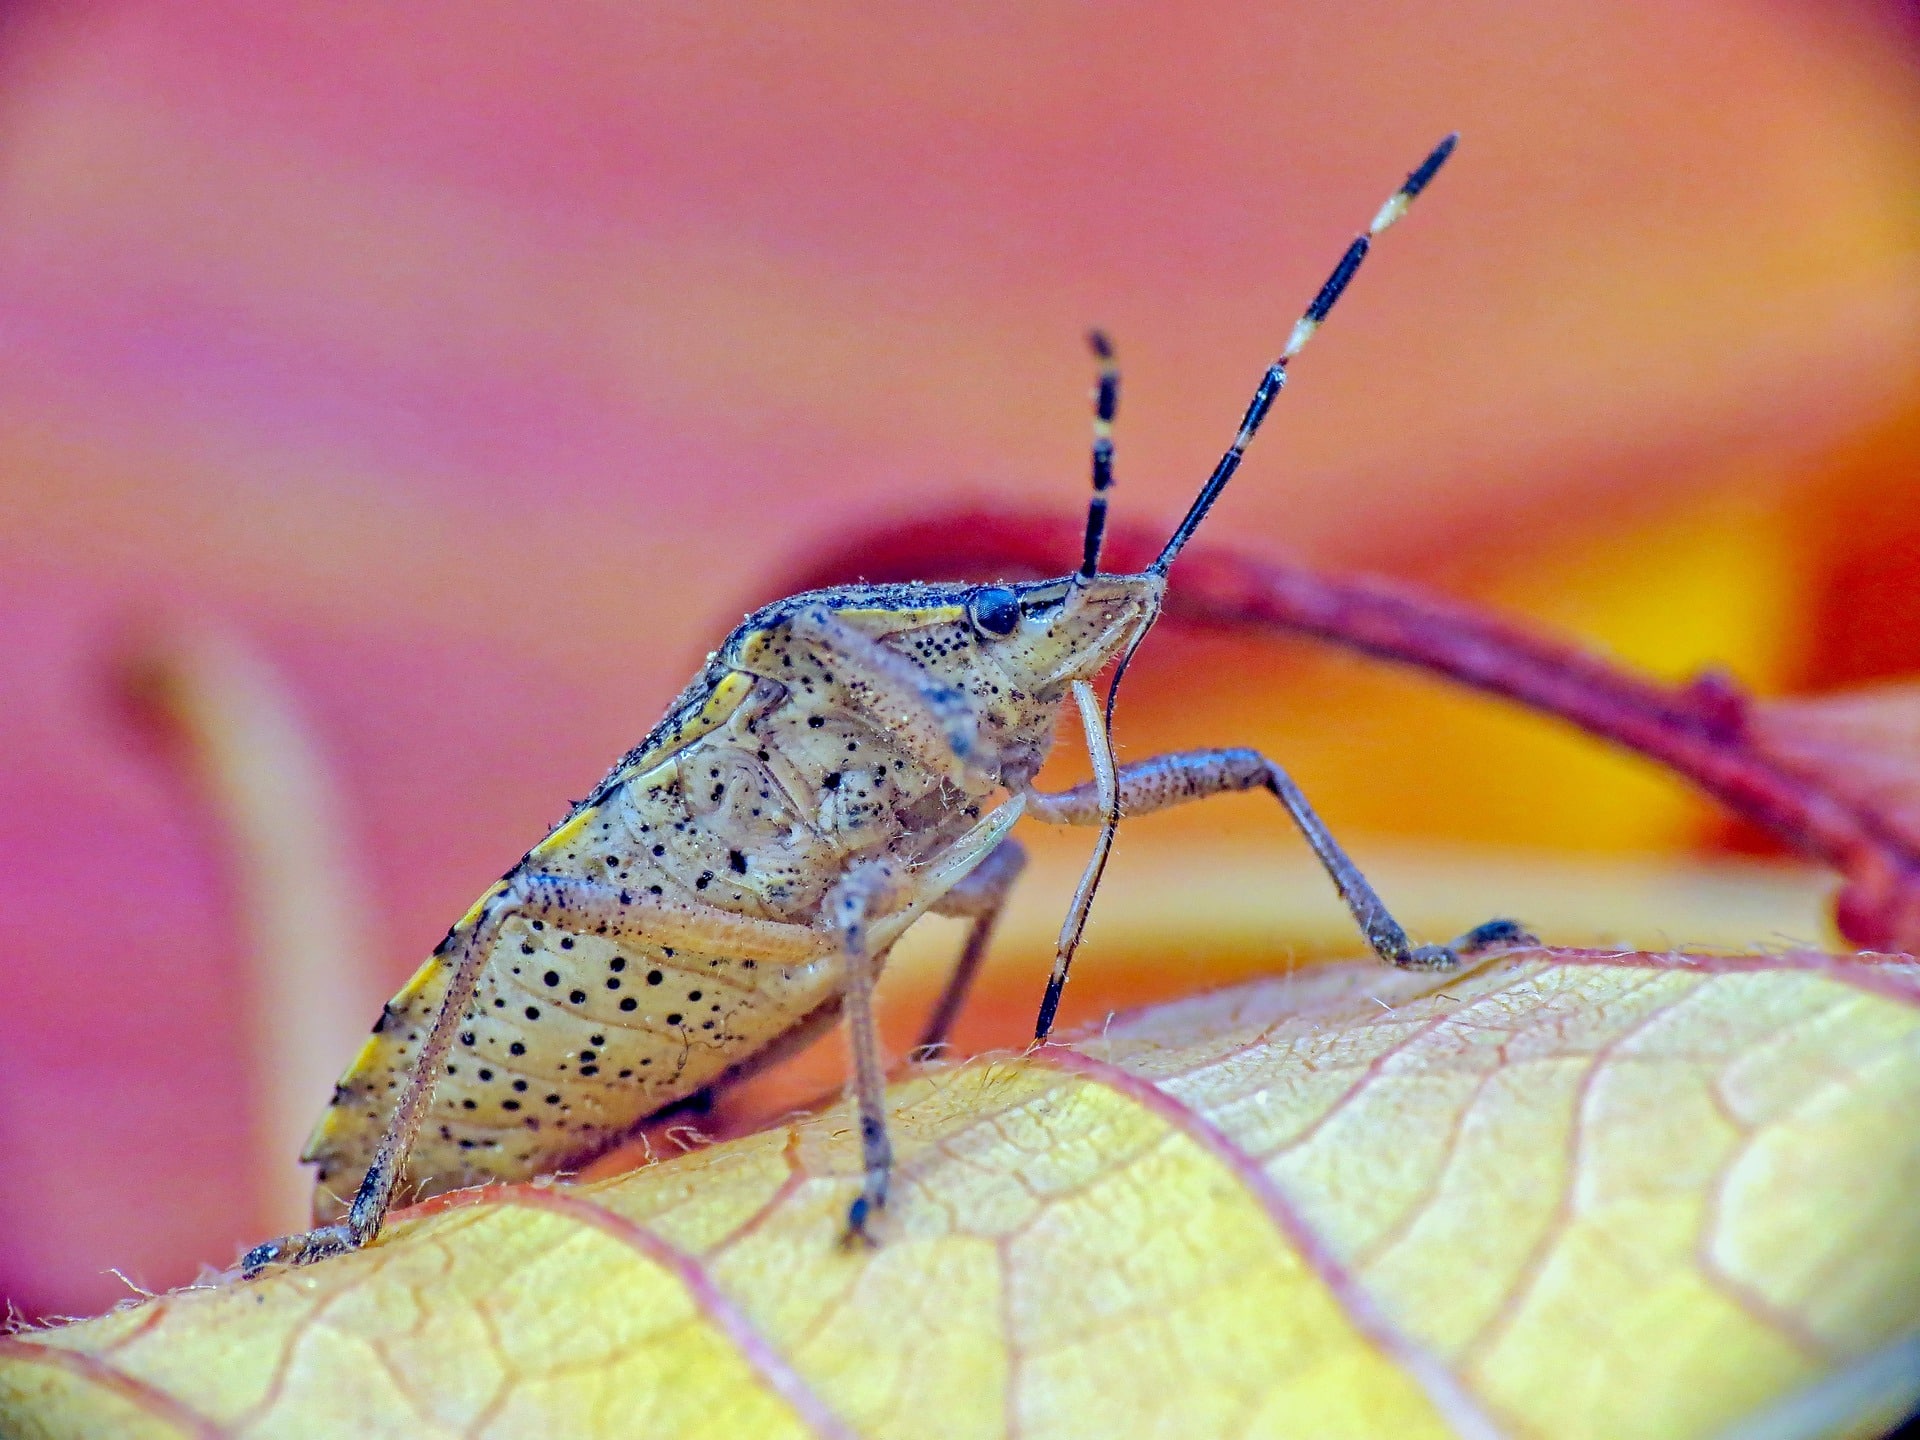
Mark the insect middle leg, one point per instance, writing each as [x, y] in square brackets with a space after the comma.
[981, 898]
[868, 889]
[576, 904]
[1175, 779]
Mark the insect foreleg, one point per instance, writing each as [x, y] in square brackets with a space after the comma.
[979, 898]
[866, 890]
[1106, 794]
[1168, 780]
[571, 903]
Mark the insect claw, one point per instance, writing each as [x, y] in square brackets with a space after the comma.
[296, 1250]
[1432, 957]
[1501, 934]
[858, 1237]
[1495, 935]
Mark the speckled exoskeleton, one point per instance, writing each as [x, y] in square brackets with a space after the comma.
[849, 760]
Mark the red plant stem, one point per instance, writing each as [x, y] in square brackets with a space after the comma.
[1700, 731]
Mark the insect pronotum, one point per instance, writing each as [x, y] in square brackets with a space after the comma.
[848, 760]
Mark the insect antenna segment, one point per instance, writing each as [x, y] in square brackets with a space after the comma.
[1106, 399]
[1275, 380]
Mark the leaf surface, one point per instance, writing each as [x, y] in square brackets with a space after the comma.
[1565, 1193]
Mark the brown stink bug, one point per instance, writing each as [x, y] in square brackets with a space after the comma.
[848, 760]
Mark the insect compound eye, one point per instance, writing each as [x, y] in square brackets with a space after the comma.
[995, 611]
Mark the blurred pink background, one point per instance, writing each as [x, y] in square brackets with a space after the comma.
[468, 369]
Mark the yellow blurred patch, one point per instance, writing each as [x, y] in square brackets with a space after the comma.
[1385, 750]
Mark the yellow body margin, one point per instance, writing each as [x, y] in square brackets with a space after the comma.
[426, 982]
[728, 696]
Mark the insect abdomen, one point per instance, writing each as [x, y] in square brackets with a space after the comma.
[571, 1039]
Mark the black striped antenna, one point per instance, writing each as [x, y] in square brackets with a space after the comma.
[1106, 399]
[1275, 380]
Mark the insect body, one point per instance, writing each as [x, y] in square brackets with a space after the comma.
[670, 926]
[848, 760]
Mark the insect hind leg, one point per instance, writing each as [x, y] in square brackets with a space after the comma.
[1496, 934]
[466, 952]
[580, 903]
[981, 898]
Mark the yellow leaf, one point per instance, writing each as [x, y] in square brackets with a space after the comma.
[1569, 1193]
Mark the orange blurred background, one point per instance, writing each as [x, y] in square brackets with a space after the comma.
[425, 389]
